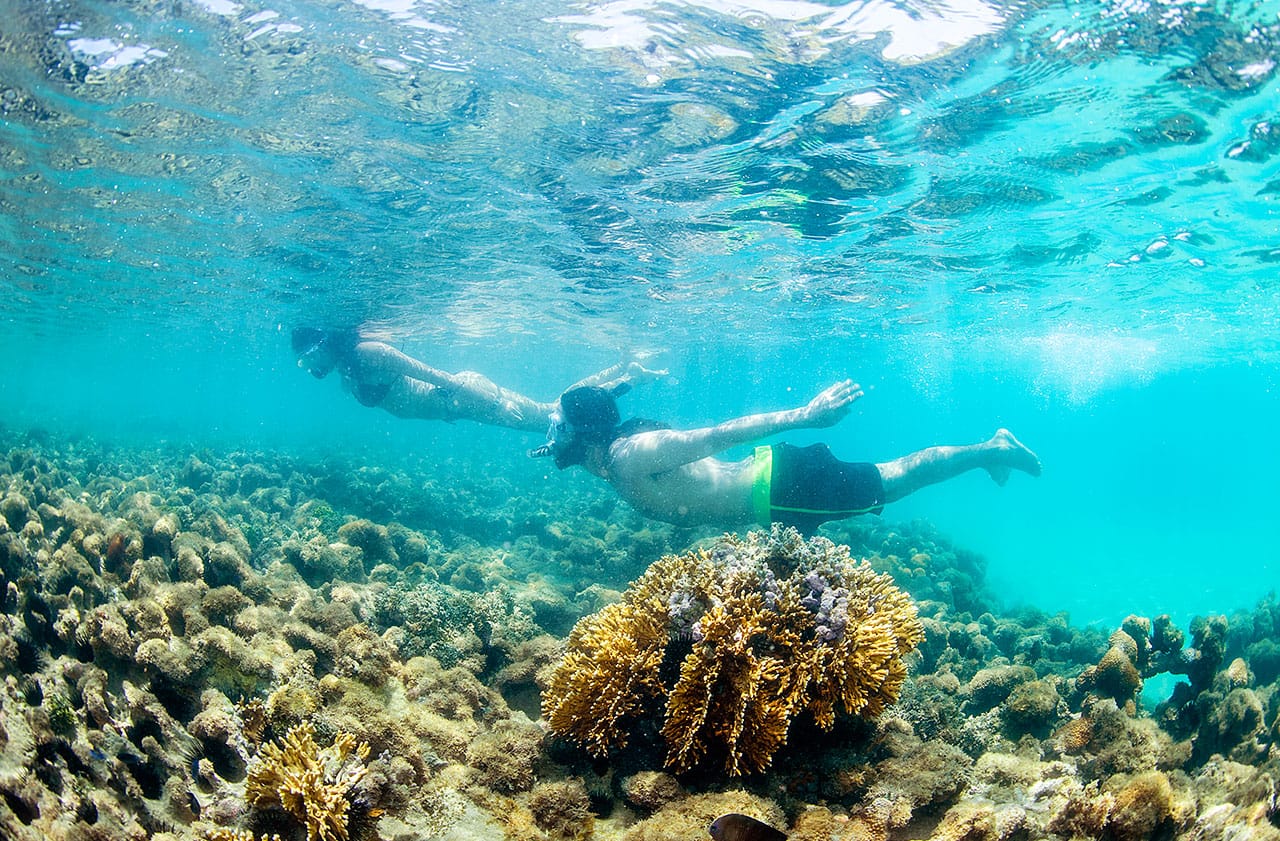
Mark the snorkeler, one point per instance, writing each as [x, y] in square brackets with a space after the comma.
[378, 375]
[671, 475]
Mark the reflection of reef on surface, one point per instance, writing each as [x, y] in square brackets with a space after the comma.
[174, 627]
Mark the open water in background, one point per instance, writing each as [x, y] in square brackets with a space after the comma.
[1059, 217]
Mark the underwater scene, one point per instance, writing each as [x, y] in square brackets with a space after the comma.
[639, 420]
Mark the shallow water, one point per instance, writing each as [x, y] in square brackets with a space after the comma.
[1058, 218]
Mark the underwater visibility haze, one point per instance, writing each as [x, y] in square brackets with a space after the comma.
[1055, 216]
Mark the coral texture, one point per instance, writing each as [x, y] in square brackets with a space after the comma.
[160, 624]
[310, 783]
[762, 629]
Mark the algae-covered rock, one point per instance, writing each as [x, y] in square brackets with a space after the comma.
[224, 566]
[1115, 676]
[504, 756]
[1083, 812]
[651, 790]
[689, 817]
[968, 822]
[992, 685]
[1144, 805]
[319, 561]
[364, 655]
[1033, 708]
[929, 775]
[562, 809]
[372, 540]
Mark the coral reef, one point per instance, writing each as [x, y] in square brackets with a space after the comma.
[164, 649]
[181, 633]
[762, 630]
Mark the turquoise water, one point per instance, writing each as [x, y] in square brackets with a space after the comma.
[1060, 218]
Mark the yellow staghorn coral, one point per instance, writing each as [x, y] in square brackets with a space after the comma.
[610, 669]
[608, 673]
[761, 630]
[736, 688]
[308, 782]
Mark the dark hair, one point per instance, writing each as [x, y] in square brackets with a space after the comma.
[305, 338]
[593, 414]
[339, 343]
[590, 409]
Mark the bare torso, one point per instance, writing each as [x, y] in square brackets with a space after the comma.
[703, 492]
[465, 395]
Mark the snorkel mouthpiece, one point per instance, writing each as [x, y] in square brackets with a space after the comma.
[558, 432]
[308, 344]
[587, 416]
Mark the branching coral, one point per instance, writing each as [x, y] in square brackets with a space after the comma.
[762, 630]
[309, 783]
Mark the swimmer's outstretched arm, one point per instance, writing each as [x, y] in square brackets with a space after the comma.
[632, 373]
[527, 413]
[666, 449]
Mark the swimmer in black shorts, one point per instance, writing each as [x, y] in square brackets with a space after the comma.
[378, 375]
[671, 474]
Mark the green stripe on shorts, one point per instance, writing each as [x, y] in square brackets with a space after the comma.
[762, 486]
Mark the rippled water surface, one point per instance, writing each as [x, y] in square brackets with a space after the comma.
[1059, 217]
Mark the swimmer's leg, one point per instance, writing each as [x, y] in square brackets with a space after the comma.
[998, 456]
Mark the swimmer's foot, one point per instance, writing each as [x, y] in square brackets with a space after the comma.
[1009, 454]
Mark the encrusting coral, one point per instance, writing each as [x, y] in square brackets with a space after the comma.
[762, 630]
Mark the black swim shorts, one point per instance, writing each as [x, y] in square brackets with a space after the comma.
[807, 486]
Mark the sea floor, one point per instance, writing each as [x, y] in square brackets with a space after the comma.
[221, 644]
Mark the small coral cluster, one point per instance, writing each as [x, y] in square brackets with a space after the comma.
[1141, 649]
[733, 643]
[311, 784]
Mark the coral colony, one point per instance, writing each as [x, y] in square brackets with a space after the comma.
[244, 646]
[731, 643]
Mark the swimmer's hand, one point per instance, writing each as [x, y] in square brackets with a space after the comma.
[831, 406]
[637, 374]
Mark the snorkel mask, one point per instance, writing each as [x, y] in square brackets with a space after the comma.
[308, 343]
[559, 433]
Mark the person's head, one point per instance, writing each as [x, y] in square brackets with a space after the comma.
[588, 416]
[317, 349]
